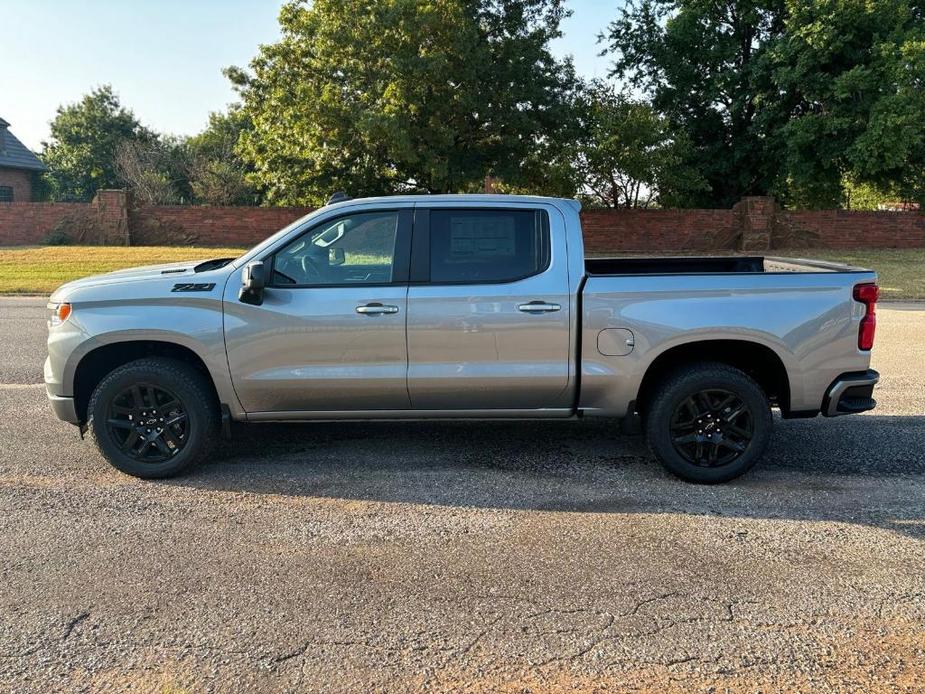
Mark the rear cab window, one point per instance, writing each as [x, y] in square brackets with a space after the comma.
[476, 246]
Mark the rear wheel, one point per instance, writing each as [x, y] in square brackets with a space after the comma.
[153, 417]
[708, 423]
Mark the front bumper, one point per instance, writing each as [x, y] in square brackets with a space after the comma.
[62, 341]
[851, 393]
[63, 407]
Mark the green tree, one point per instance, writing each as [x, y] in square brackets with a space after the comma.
[788, 97]
[703, 63]
[856, 70]
[402, 95]
[156, 169]
[864, 196]
[629, 156]
[85, 136]
[217, 174]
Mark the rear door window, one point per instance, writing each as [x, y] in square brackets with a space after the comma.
[487, 246]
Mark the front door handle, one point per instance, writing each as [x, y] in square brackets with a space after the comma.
[376, 309]
[539, 307]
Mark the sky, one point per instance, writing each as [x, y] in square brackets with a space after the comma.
[164, 58]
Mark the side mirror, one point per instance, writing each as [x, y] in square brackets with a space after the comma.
[253, 281]
[336, 256]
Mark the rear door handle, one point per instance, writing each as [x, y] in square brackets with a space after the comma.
[375, 309]
[539, 307]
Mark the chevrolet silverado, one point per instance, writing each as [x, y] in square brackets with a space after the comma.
[458, 306]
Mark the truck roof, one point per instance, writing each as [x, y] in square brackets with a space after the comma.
[463, 197]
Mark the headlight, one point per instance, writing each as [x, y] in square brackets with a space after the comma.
[59, 314]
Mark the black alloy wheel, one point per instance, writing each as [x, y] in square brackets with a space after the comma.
[154, 417]
[708, 422]
[148, 423]
[712, 428]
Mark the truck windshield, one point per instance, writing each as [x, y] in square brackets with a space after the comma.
[269, 241]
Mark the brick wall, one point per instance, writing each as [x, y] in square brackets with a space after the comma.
[659, 230]
[28, 223]
[102, 221]
[19, 181]
[849, 229]
[210, 226]
[755, 224]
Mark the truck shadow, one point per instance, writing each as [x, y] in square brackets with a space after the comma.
[865, 469]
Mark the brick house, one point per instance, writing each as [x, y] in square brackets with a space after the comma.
[18, 167]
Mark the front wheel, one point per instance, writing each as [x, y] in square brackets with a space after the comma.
[708, 423]
[153, 417]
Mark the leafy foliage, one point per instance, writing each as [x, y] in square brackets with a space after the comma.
[217, 175]
[864, 196]
[155, 170]
[97, 143]
[628, 155]
[703, 64]
[818, 102]
[81, 152]
[856, 73]
[789, 97]
[401, 95]
[57, 237]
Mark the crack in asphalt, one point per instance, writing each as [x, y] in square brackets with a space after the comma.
[42, 643]
[647, 601]
[602, 631]
[73, 623]
[302, 650]
[480, 635]
[728, 617]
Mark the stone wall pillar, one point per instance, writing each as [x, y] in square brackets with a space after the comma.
[111, 208]
[756, 216]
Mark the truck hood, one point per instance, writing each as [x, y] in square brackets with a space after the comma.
[179, 272]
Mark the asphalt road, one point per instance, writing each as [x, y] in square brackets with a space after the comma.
[464, 557]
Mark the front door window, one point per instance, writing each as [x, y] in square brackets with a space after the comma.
[349, 251]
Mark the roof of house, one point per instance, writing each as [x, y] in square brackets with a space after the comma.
[14, 154]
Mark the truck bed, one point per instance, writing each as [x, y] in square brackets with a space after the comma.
[696, 265]
[803, 311]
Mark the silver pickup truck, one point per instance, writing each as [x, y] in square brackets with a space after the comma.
[475, 306]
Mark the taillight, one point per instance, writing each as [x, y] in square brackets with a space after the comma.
[867, 294]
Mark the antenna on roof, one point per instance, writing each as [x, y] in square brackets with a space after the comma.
[339, 196]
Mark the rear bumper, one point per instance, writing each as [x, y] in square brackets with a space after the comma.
[851, 393]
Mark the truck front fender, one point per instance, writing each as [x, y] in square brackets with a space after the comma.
[196, 326]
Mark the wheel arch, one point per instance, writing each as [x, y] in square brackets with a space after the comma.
[754, 358]
[93, 365]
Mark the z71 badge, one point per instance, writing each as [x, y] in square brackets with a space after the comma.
[193, 287]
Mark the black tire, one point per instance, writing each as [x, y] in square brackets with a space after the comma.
[695, 428]
[185, 430]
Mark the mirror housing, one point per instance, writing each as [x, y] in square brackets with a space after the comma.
[253, 281]
[336, 256]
